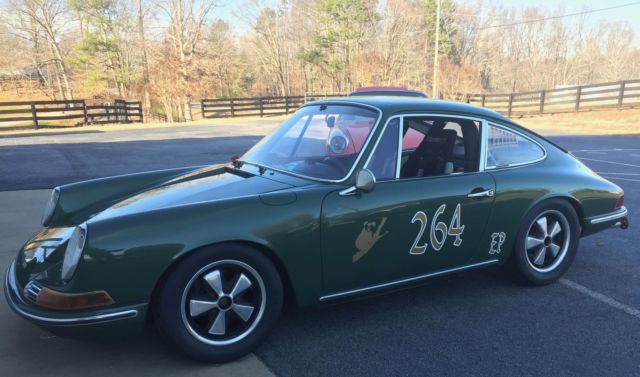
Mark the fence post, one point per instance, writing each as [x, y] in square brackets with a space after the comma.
[202, 108]
[621, 94]
[543, 94]
[510, 104]
[233, 111]
[84, 112]
[261, 107]
[484, 98]
[126, 111]
[286, 105]
[140, 112]
[578, 95]
[34, 115]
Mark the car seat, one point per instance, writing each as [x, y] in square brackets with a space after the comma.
[434, 156]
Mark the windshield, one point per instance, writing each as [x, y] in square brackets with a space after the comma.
[321, 141]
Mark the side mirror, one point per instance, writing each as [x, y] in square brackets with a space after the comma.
[365, 180]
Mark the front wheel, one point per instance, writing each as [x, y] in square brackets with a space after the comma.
[547, 243]
[218, 304]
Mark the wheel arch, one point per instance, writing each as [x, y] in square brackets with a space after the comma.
[289, 292]
[575, 203]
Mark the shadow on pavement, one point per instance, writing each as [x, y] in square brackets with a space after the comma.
[24, 167]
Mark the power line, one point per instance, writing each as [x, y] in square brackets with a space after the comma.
[561, 16]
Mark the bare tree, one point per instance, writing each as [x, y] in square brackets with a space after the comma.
[187, 19]
[48, 15]
[145, 61]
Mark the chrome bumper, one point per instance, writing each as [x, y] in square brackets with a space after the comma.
[18, 305]
[619, 218]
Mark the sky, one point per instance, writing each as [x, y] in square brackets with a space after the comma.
[229, 9]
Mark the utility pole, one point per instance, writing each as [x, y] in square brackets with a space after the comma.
[434, 93]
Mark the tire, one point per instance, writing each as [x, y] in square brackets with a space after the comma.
[202, 306]
[542, 253]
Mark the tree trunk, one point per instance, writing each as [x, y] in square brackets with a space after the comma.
[145, 63]
[62, 69]
[188, 115]
[168, 108]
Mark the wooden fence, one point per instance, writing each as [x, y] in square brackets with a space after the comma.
[255, 106]
[40, 113]
[622, 94]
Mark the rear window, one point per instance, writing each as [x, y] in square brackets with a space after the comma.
[506, 148]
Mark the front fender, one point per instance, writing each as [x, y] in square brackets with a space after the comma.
[127, 255]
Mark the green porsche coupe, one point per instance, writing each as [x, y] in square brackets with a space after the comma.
[349, 196]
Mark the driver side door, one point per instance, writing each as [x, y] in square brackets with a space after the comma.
[407, 227]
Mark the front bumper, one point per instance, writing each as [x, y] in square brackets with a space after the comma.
[617, 219]
[103, 322]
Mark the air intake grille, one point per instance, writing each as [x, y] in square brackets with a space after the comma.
[32, 290]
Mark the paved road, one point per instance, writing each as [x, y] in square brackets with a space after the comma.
[26, 350]
[588, 324]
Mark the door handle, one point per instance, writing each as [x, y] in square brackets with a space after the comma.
[481, 194]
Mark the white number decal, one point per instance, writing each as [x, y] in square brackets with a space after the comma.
[422, 218]
[455, 229]
[439, 227]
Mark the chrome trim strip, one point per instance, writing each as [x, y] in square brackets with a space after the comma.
[405, 281]
[622, 212]
[517, 132]
[360, 154]
[400, 137]
[484, 139]
[10, 282]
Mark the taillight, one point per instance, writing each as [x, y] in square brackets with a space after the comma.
[620, 202]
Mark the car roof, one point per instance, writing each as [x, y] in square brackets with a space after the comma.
[388, 91]
[394, 105]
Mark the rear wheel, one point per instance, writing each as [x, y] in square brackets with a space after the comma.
[219, 303]
[547, 243]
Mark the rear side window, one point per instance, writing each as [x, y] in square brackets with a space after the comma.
[506, 148]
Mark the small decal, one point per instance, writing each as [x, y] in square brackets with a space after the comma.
[368, 237]
[497, 239]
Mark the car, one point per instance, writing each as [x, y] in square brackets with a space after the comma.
[333, 205]
[393, 91]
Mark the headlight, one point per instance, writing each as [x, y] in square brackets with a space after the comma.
[337, 141]
[73, 252]
[51, 206]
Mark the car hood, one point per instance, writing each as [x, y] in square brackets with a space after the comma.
[193, 188]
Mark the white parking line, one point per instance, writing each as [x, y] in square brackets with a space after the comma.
[610, 162]
[622, 179]
[601, 297]
[613, 173]
[607, 150]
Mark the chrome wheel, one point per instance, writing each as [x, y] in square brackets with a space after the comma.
[223, 302]
[547, 241]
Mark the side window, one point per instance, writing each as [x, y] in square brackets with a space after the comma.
[384, 160]
[506, 148]
[433, 146]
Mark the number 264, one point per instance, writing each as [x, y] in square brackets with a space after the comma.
[439, 230]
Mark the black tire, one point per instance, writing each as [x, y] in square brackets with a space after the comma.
[523, 265]
[185, 287]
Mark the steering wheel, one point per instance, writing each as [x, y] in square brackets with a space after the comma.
[329, 162]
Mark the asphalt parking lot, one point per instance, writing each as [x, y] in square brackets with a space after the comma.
[477, 323]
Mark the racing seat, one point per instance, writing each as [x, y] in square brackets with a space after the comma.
[434, 156]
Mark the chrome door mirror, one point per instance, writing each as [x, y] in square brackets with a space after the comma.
[365, 180]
